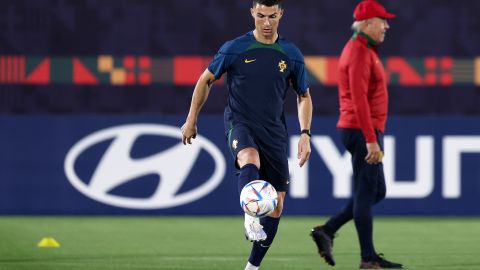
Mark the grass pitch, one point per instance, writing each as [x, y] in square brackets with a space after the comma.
[211, 243]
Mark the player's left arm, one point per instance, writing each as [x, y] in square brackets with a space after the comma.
[305, 108]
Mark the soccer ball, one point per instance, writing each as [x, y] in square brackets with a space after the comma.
[258, 198]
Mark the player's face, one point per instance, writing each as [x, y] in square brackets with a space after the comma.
[266, 19]
[377, 28]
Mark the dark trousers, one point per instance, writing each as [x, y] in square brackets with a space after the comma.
[368, 189]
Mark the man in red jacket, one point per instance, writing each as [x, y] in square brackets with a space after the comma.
[363, 113]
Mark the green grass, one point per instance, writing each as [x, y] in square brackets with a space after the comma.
[210, 243]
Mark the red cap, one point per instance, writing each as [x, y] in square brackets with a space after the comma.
[370, 8]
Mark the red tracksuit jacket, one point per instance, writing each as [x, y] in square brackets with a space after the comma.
[362, 87]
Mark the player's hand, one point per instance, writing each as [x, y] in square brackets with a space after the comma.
[303, 149]
[374, 153]
[189, 132]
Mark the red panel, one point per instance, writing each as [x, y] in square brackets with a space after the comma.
[145, 78]
[81, 74]
[2, 69]
[129, 62]
[15, 69]
[430, 79]
[9, 69]
[21, 68]
[430, 63]
[446, 79]
[145, 62]
[41, 74]
[187, 69]
[332, 71]
[446, 63]
[130, 78]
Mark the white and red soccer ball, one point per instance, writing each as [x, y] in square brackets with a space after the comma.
[258, 198]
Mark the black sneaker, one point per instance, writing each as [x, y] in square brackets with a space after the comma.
[379, 263]
[324, 244]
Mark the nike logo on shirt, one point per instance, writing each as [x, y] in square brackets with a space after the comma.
[249, 61]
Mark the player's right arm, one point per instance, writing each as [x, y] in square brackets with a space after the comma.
[200, 95]
[214, 71]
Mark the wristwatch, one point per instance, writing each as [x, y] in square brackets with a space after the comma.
[306, 131]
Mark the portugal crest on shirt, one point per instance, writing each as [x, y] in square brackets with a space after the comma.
[282, 65]
[234, 144]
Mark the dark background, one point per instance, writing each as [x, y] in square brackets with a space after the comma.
[161, 28]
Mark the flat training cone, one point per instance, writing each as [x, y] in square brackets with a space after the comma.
[48, 242]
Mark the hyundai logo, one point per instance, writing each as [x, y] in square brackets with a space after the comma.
[116, 167]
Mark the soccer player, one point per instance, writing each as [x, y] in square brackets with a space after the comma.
[260, 67]
[363, 113]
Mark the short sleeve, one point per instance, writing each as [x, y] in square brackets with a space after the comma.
[299, 77]
[221, 61]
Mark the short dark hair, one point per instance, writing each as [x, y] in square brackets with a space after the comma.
[268, 3]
